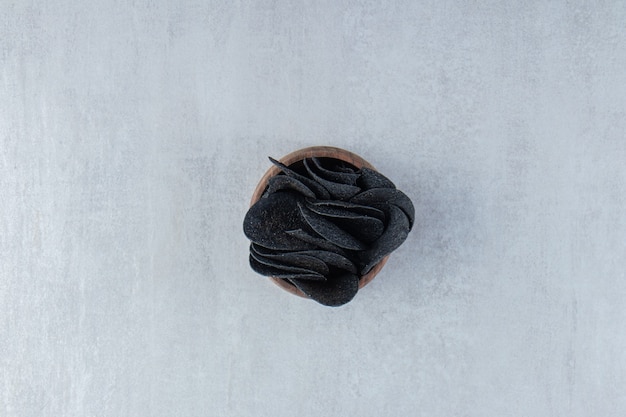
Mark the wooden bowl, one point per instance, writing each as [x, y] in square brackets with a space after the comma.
[299, 155]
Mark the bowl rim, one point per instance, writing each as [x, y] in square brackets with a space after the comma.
[299, 155]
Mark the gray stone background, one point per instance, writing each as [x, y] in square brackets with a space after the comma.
[133, 133]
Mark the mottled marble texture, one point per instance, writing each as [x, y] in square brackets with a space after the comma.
[124, 283]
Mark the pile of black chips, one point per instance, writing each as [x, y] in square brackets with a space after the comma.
[322, 224]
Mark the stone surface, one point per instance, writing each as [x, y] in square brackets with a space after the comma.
[133, 133]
